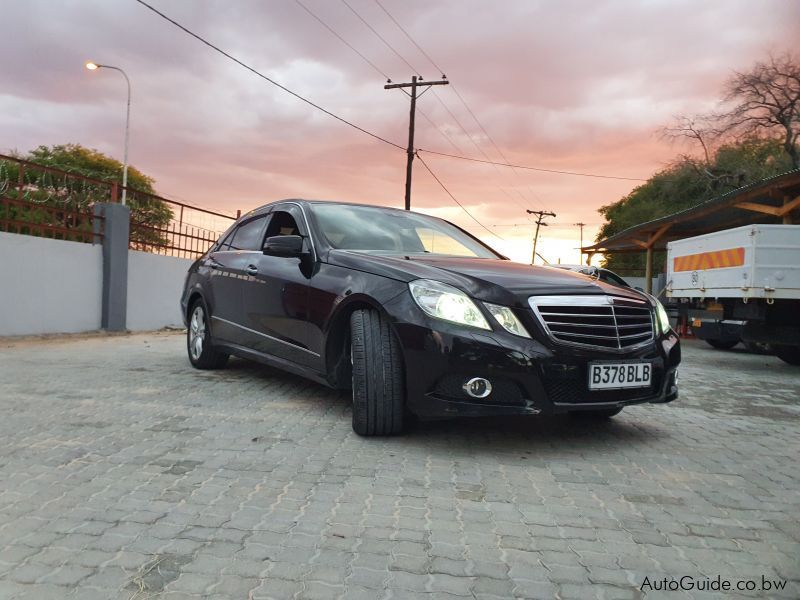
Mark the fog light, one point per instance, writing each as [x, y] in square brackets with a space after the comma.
[477, 387]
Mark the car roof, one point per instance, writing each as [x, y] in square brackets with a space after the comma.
[304, 201]
[320, 201]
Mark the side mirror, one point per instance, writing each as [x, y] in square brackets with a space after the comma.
[284, 245]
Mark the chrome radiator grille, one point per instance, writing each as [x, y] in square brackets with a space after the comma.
[609, 322]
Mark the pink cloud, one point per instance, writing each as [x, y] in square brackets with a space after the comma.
[570, 85]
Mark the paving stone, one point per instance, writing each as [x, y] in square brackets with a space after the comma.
[368, 578]
[448, 584]
[498, 588]
[68, 575]
[276, 589]
[534, 589]
[30, 572]
[248, 480]
[413, 564]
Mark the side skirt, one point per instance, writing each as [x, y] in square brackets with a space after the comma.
[274, 361]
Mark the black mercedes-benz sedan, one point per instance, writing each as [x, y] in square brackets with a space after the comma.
[419, 317]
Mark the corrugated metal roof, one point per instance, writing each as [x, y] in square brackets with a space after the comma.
[712, 215]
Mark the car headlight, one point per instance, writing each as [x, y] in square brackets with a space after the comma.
[663, 317]
[446, 302]
[507, 319]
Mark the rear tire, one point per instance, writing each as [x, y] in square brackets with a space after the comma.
[378, 375]
[199, 344]
[788, 354]
[722, 345]
[595, 415]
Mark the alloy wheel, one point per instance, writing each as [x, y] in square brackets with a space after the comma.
[197, 332]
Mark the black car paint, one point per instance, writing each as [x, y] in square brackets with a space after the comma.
[293, 312]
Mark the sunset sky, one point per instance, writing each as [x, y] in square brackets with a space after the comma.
[568, 85]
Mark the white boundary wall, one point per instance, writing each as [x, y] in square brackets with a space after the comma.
[49, 286]
[53, 286]
[155, 284]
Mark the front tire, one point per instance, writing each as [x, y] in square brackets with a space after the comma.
[378, 375]
[199, 344]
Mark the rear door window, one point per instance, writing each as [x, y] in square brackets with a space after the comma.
[248, 236]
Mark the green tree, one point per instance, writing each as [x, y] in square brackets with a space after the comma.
[686, 183]
[76, 195]
[80, 160]
[752, 136]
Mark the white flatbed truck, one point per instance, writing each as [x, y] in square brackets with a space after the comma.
[743, 284]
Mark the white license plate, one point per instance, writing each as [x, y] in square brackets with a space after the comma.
[610, 376]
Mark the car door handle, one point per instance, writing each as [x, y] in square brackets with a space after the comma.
[252, 270]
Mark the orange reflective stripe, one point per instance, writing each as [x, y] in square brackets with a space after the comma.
[732, 257]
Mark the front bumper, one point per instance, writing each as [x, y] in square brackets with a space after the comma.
[528, 376]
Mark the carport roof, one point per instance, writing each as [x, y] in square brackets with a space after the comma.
[769, 200]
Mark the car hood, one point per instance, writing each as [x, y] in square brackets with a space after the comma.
[494, 280]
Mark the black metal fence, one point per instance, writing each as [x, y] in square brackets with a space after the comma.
[48, 202]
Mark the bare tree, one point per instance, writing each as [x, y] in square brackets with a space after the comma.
[764, 100]
[700, 129]
[696, 128]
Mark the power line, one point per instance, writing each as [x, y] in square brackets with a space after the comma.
[505, 162]
[262, 76]
[341, 39]
[486, 133]
[414, 70]
[441, 132]
[474, 143]
[444, 105]
[377, 69]
[464, 208]
[529, 168]
[380, 37]
[400, 27]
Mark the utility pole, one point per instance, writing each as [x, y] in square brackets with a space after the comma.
[581, 225]
[539, 221]
[416, 82]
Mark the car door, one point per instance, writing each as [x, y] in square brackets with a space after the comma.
[276, 294]
[228, 275]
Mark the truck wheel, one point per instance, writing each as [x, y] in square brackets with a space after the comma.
[199, 344]
[722, 345]
[759, 348]
[378, 375]
[788, 354]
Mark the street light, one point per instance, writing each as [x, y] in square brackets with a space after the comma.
[91, 66]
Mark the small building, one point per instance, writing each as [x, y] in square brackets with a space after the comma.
[773, 200]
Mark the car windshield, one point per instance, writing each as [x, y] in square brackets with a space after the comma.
[385, 231]
[613, 279]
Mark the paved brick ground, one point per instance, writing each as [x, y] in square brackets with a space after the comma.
[126, 474]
